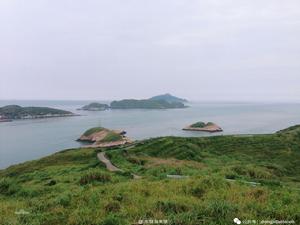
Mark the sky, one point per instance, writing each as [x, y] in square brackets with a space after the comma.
[236, 50]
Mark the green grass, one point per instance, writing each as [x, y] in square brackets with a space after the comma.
[93, 130]
[112, 136]
[73, 188]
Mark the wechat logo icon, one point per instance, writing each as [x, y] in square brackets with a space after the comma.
[237, 221]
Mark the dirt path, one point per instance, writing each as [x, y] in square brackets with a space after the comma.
[110, 167]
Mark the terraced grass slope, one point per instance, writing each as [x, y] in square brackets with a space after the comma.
[249, 177]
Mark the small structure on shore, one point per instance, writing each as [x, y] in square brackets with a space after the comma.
[207, 127]
[103, 137]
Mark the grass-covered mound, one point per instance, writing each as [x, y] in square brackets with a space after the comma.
[93, 130]
[72, 187]
[99, 135]
[201, 124]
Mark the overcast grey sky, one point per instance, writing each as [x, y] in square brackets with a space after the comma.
[200, 50]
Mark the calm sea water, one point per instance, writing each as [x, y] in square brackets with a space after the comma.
[31, 139]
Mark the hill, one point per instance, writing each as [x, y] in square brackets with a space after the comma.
[145, 104]
[95, 106]
[18, 112]
[169, 98]
[253, 177]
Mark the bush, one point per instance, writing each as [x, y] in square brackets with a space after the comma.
[8, 187]
[187, 218]
[94, 176]
[171, 207]
[137, 161]
[114, 220]
[112, 207]
[64, 199]
[28, 192]
[197, 192]
[221, 209]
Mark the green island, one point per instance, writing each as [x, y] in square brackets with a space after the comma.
[145, 104]
[95, 106]
[186, 181]
[103, 137]
[166, 101]
[12, 112]
[202, 126]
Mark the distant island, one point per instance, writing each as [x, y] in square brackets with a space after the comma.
[145, 104]
[166, 101]
[103, 137]
[169, 98]
[201, 126]
[13, 112]
[95, 106]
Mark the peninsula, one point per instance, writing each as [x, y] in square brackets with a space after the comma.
[201, 126]
[13, 112]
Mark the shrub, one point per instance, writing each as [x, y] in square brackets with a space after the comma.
[137, 161]
[114, 220]
[171, 207]
[94, 176]
[8, 187]
[64, 199]
[51, 183]
[112, 207]
[28, 192]
[187, 218]
[221, 209]
[197, 192]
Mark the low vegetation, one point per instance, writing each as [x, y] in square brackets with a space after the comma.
[250, 177]
[93, 130]
[201, 124]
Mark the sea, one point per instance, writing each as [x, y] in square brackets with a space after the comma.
[31, 139]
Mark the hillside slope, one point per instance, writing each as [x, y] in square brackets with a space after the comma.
[250, 177]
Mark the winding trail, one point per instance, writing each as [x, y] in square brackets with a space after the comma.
[110, 167]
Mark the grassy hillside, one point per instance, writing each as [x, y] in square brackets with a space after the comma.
[72, 187]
